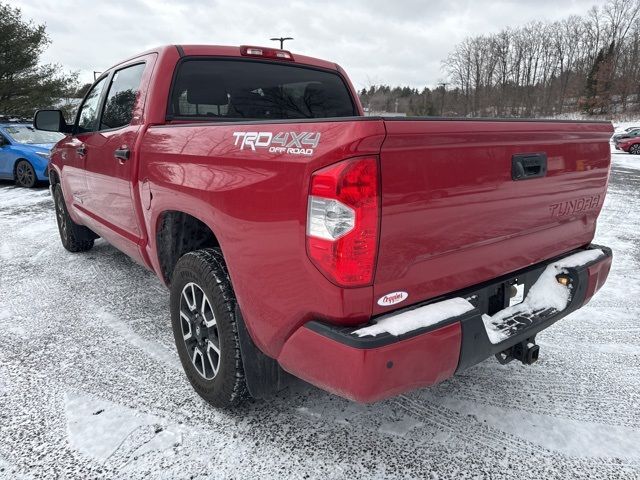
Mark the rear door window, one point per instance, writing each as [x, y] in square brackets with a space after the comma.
[244, 89]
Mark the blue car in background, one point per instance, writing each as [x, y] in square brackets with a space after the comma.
[24, 153]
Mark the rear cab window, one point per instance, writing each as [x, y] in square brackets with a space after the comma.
[228, 90]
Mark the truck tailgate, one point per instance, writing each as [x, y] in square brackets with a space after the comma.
[454, 216]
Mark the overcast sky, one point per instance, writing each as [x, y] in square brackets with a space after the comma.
[376, 41]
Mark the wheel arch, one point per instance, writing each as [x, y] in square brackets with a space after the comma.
[54, 177]
[177, 233]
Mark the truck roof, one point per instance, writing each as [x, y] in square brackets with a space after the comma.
[230, 51]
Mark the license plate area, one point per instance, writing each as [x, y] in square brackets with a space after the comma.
[507, 293]
[516, 293]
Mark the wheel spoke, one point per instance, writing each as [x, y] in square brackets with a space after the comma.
[215, 361]
[185, 321]
[193, 296]
[191, 302]
[198, 357]
[205, 315]
[213, 346]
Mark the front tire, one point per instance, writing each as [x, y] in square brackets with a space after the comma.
[25, 175]
[635, 149]
[74, 237]
[205, 328]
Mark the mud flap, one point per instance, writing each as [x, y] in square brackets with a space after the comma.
[263, 374]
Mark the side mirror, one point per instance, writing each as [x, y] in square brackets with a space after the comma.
[50, 121]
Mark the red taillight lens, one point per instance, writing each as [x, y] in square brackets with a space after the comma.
[342, 221]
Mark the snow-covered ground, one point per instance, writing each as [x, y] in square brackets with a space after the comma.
[91, 386]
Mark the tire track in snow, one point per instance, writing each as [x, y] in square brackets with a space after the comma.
[473, 427]
[150, 347]
[465, 428]
[574, 438]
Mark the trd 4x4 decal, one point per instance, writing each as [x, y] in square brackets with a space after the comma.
[295, 143]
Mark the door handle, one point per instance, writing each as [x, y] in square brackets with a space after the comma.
[81, 150]
[122, 154]
[528, 165]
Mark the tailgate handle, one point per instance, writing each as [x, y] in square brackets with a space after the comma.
[528, 165]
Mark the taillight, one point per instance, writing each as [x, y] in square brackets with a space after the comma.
[342, 221]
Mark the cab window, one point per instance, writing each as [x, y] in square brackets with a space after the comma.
[211, 89]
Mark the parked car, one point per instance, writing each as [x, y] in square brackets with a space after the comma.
[630, 145]
[628, 133]
[366, 255]
[24, 153]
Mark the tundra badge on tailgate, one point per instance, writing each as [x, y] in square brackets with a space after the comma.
[295, 143]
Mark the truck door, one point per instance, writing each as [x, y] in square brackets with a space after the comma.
[110, 169]
[74, 150]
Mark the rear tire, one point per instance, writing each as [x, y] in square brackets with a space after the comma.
[74, 237]
[25, 175]
[205, 328]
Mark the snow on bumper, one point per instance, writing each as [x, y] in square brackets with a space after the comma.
[422, 346]
[545, 295]
[422, 317]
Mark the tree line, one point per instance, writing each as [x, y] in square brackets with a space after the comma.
[587, 64]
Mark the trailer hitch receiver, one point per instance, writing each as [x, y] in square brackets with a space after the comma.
[527, 352]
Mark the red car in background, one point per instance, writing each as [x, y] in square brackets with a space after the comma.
[630, 145]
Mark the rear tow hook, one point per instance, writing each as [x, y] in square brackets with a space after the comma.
[527, 352]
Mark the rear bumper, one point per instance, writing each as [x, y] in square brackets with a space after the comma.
[371, 368]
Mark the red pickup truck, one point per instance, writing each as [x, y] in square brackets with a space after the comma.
[368, 256]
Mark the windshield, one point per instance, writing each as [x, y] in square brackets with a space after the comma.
[241, 89]
[29, 135]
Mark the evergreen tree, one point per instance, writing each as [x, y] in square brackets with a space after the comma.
[25, 84]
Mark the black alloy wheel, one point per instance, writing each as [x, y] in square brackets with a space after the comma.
[25, 174]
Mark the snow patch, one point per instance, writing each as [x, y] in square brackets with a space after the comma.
[418, 318]
[625, 160]
[12, 324]
[13, 197]
[605, 348]
[6, 252]
[400, 427]
[98, 428]
[545, 293]
[8, 470]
